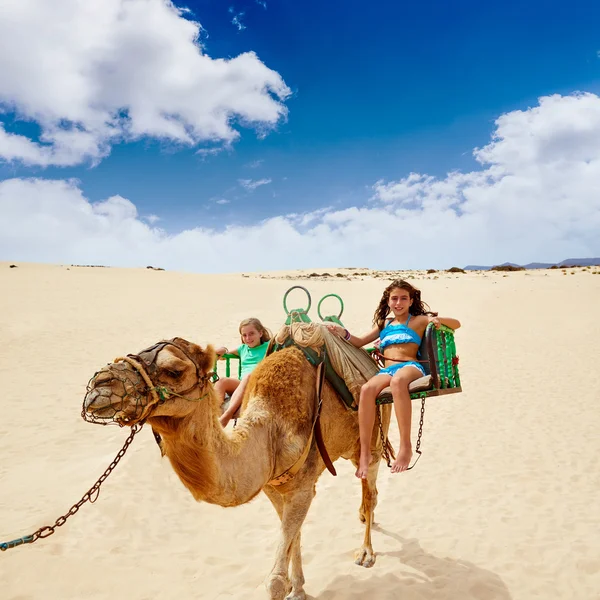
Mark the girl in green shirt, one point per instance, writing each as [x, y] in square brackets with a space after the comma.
[255, 340]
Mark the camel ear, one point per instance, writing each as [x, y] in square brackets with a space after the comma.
[209, 356]
[204, 358]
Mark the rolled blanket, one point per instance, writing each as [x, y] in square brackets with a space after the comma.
[353, 365]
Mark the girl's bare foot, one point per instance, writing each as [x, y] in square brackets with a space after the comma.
[403, 459]
[363, 465]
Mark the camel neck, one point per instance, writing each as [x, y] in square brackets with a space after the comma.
[224, 467]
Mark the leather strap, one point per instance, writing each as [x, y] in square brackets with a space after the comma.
[314, 433]
[318, 434]
[291, 472]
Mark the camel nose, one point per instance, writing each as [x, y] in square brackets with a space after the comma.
[102, 378]
[90, 399]
[99, 399]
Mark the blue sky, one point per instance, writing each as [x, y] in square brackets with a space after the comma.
[376, 91]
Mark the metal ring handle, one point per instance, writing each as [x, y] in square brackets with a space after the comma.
[327, 296]
[287, 312]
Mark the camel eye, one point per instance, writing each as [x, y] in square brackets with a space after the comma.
[173, 374]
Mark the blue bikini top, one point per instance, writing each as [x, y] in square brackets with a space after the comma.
[400, 333]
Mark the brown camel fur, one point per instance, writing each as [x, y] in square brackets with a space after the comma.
[230, 468]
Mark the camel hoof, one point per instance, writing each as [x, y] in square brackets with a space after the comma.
[301, 595]
[365, 557]
[278, 587]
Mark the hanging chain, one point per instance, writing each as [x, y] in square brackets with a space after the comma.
[385, 444]
[90, 496]
[418, 446]
[420, 426]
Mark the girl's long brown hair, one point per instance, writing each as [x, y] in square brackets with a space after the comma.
[418, 307]
[265, 334]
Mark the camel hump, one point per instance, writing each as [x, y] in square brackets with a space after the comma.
[284, 382]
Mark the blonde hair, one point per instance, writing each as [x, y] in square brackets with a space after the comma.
[265, 334]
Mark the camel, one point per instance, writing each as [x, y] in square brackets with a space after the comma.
[169, 387]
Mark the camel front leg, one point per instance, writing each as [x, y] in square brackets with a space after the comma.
[364, 556]
[277, 501]
[297, 580]
[295, 508]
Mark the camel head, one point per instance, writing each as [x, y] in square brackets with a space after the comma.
[163, 380]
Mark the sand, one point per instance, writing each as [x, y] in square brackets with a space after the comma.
[503, 505]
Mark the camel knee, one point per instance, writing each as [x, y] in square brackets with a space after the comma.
[366, 512]
[369, 501]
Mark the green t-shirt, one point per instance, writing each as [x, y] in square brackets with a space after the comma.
[250, 357]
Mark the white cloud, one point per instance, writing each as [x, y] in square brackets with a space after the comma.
[252, 184]
[535, 198]
[222, 201]
[96, 72]
[206, 152]
[237, 19]
[237, 22]
[255, 164]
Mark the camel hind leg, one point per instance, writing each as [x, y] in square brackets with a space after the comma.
[369, 494]
[364, 556]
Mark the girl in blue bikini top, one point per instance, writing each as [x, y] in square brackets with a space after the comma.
[404, 301]
[399, 333]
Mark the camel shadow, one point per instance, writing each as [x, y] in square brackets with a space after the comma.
[420, 576]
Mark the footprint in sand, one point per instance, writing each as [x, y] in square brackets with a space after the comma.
[589, 566]
[214, 561]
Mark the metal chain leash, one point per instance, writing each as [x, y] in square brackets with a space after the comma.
[90, 496]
